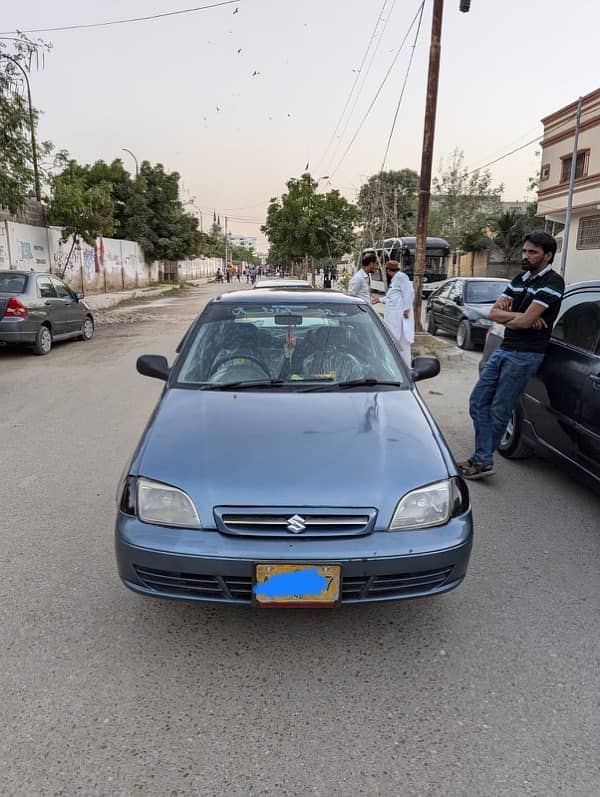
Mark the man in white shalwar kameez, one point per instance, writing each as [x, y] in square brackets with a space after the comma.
[398, 315]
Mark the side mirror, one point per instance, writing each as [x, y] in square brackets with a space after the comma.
[79, 296]
[425, 368]
[154, 365]
[459, 301]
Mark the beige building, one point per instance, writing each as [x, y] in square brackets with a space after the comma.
[583, 255]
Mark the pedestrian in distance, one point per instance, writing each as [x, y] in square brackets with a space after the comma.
[528, 308]
[398, 314]
[360, 284]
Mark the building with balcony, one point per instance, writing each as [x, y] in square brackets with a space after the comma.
[583, 255]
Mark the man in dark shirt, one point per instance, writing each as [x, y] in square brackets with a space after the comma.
[528, 309]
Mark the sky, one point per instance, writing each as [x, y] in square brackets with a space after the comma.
[177, 91]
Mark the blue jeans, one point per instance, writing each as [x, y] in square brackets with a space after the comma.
[503, 379]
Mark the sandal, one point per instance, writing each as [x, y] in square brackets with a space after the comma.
[472, 469]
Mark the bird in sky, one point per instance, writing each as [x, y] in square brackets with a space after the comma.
[218, 109]
[255, 73]
[289, 114]
[356, 70]
[240, 50]
[236, 10]
[306, 167]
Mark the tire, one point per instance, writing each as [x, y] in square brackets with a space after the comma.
[87, 331]
[43, 341]
[512, 445]
[463, 335]
[431, 325]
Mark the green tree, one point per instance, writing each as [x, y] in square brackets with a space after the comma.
[167, 231]
[463, 203]
[388, 203]
[510, 228]
[16, 155]
[84, 212]
[304, 223]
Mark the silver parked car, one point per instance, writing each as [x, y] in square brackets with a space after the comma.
[39, 309]
[291, 462]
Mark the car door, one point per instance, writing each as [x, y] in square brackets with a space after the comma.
[455, 305]
[73, 310]
[588, 332]
[439, 301]
[554, 399]
[52, 308]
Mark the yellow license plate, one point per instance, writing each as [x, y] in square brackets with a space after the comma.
[297, 585]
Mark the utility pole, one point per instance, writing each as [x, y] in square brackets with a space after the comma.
[563, 255]
[226, 257]
[427, 155]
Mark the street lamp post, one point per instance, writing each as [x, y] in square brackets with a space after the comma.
[36, 174]
[137, 168]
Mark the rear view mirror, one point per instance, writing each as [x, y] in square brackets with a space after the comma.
[154, 365]
[289, 320]
[425, 368]
[80, 296]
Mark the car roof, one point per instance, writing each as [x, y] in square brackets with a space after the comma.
[23, 273]
[309, 297]
[586, 285]
[479, 279]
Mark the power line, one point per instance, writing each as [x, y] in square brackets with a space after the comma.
[517, 149]
[125, 21]
[379, 90]
[506, 155]
[364, 77]
[356, 79]
[410, 60]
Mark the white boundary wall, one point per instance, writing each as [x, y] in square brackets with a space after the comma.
[111, 265]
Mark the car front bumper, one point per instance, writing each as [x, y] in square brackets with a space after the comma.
[211, 567]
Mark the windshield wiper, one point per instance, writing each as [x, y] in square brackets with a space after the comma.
[350, 384]
[244, 385]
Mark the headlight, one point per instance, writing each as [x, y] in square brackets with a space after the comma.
[482, 322]
[432, 505]
[165, 505]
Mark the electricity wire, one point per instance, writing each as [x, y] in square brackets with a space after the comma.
[379, 90]
[356, 79]
[410, 60]
[364, 77]
[125, 21]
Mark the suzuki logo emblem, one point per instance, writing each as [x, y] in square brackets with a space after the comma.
[296, 524]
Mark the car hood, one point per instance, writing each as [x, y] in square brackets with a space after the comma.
[339, 449]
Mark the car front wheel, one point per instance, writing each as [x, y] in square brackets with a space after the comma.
[43, 341]
[512, 445]
[463, 335]
[87, 332]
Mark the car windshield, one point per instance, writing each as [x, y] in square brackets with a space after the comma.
[12, 283]
[288, 346]
[484, 292]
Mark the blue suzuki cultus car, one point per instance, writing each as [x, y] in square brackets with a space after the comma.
[290, 461]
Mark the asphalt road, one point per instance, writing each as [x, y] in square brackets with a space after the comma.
[490, 690]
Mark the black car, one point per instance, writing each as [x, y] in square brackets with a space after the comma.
[461, 306]
[559, 413]
[38, 309]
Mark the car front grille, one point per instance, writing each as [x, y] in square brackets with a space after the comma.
[238, 589]
[279, 522]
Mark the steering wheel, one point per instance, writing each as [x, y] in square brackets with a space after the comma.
[229, 357]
